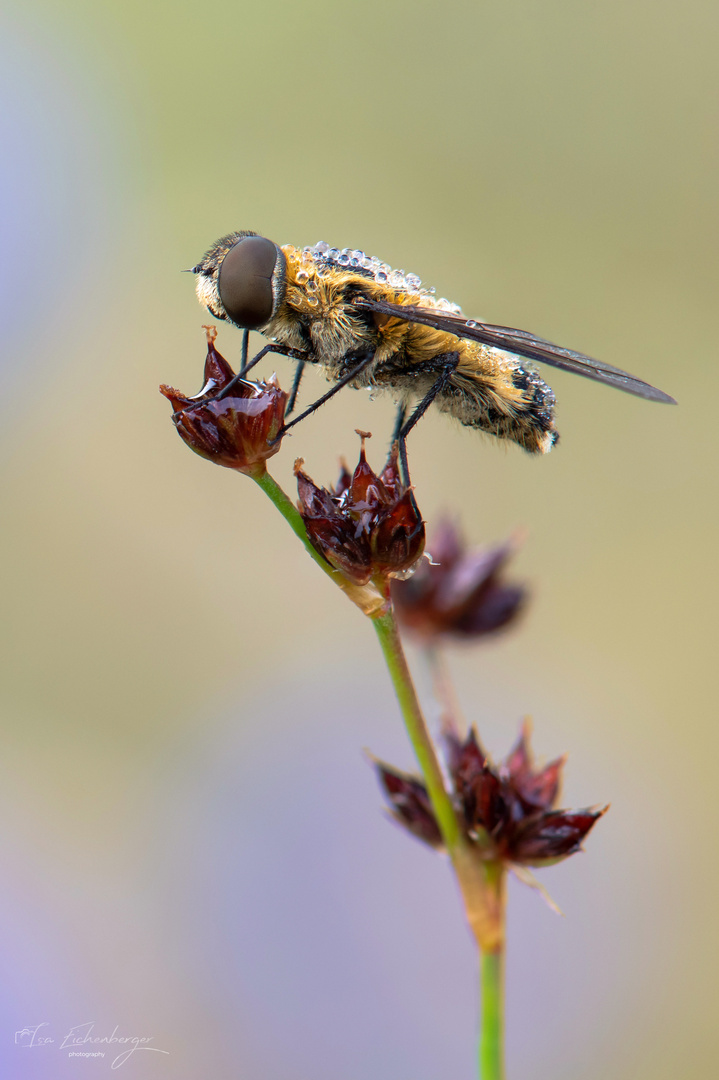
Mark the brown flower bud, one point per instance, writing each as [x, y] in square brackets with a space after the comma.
[368, 526]
[235, 429]
[410, 803]
[507, 809]
[459, 593]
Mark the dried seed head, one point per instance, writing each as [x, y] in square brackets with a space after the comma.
[459, 594]
[235, 428]
[368, 525]
[508, 810]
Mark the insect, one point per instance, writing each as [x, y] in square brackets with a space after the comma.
[367, 325]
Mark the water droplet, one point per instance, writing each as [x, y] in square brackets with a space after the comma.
[206, 389]
[403, 575]
[471, 323]
[344, 260]
[333, 254]
[380, 277]
[301, 277]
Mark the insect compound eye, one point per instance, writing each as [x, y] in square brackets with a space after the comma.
[245, 281]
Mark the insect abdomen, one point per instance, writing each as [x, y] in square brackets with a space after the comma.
[503, 397]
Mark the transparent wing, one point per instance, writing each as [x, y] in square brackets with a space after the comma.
[519, 342]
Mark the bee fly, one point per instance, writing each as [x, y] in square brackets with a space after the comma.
[367, 325]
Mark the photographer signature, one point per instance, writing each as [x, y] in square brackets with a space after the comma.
[81, 1041]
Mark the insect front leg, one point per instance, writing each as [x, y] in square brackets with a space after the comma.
[352, 374]
[295, 387]
[282, 350]
[245, 349]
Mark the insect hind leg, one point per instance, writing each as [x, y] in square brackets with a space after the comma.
[398, 424]
[448, 365]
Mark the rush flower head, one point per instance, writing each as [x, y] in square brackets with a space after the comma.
[236, 429]
[508, 810]
[460, 593]
[368, 525]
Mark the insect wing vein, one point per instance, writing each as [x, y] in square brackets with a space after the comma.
[520, 342]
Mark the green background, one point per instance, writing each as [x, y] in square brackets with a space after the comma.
[185, 699]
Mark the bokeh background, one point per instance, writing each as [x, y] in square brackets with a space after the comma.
[192, 844]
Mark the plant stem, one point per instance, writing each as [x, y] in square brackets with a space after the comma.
[481, 882]
[491, 1037]
[483, 904]
[366, 597]
[491, 1066]
[386, 629]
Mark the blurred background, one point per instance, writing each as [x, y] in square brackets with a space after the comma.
[193, 847]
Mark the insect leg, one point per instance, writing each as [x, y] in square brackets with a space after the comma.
[399, 422]
[357, 370]
[398, 425]
[447, 370]
[282, 350]
[245, 347]
[295, 387]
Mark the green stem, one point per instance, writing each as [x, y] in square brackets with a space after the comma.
[366, 597]
[481, 883]
[491, 1038]
[386, 629]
